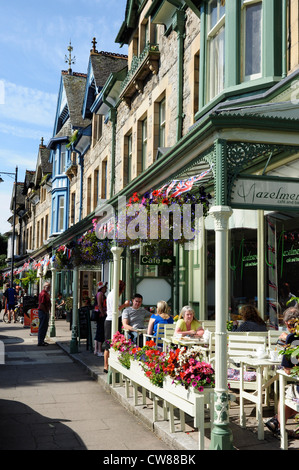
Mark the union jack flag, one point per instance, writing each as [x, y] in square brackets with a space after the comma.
[187, 185]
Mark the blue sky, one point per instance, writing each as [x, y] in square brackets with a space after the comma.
[34, 37]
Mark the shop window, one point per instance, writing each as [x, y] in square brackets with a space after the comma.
[243, 269]
[282, 264]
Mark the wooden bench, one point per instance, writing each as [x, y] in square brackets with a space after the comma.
[242, 344]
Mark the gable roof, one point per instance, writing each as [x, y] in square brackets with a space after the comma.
[70, 103]
[101, 65]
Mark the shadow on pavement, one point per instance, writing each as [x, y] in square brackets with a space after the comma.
[22, 428]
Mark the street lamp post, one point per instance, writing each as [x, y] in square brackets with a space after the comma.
[14, 220]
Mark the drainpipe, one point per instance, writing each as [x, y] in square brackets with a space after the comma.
[179, 19]
[284, 37]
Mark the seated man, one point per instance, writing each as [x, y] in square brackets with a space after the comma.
[133, 318]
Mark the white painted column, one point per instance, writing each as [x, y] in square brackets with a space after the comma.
[261, 294]
[116, 251]
[221, 435]
[52, 317]
[74, 340]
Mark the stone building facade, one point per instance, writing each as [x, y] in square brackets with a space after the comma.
[195, 89]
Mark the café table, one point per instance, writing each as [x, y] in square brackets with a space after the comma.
[188, 342]
[262, 366]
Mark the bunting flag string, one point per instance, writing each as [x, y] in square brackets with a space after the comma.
[185, 185]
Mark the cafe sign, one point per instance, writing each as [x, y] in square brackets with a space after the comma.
[266, 192]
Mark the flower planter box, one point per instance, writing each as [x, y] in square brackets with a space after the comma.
[175, 396]
[136, 368]
[186, 394]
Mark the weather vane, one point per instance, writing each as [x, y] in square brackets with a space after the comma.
[69, 59]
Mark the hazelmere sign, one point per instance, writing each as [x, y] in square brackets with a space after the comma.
[266, 192]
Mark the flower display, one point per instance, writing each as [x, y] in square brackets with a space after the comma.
[87, 250]
[92, 250]
[187, 368]
[124, 346]
[179, 223]
[184, 366]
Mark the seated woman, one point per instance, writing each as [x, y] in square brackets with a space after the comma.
[251, 320]
[162, 316]
[188, 325]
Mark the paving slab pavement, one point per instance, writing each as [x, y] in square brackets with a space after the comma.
[78, 402]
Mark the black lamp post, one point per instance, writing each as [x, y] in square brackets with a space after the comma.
[14, 220]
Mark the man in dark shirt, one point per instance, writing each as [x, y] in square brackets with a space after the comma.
[11, 295]
[44, 308]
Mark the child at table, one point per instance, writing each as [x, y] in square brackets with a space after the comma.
[292, 391]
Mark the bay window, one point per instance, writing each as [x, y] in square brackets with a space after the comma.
[252, 39]
[215, 47]
[61, 207]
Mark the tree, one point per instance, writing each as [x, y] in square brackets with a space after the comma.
[3, 244]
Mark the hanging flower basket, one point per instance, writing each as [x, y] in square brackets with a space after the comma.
[88, 250]
[157, 219]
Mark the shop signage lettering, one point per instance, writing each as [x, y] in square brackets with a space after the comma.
[157, 261]
[250, 260]
[265, 192]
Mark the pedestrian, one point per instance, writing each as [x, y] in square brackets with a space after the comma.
[108, 321]
[11, 295]
[101, 304]
[44, 308]
[133, 318]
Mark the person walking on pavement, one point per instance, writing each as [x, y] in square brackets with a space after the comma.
[108, 321]
[44, 308]
[11, 295]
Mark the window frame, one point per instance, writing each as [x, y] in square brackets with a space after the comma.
[211, 35]
[144, 143]
[244, 5]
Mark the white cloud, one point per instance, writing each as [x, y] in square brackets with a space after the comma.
[24, 132]
[5, 199]
[22, 160]
[28, 105]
